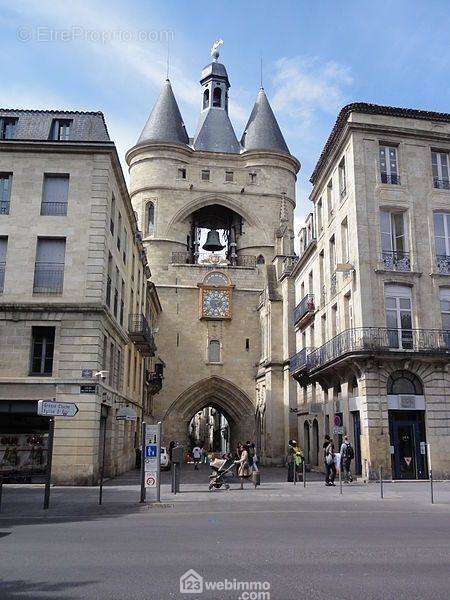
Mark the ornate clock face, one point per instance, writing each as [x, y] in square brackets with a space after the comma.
[216, 304]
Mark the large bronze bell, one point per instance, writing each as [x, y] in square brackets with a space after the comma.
[212, 243]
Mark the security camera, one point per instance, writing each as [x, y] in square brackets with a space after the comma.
[102, 374]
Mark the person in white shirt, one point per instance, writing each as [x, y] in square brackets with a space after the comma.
[197, 455]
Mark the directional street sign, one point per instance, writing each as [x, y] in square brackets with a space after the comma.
[51, 408]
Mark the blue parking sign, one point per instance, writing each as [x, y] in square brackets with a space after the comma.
[151, 451]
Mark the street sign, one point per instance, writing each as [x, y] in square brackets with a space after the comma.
[151, 468]
[337, 420]
[88, 388]
[126, 413]
[51, 408]
[338, 430]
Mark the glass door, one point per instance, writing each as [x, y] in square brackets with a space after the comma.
[399, 320]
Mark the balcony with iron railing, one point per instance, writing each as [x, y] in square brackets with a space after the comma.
[441, 184]
[48, 278]
[140, 334]
[333, 285]
[4, 207]
[376, 340]
[298, 363]
[58, 209]
[304, 310]
[396, 261]
[443, 264]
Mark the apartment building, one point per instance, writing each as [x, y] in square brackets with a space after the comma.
[75, 300]
[372, 293]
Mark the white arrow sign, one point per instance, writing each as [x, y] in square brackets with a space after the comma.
[51, 408]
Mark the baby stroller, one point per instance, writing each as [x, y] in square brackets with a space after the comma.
[221, 471]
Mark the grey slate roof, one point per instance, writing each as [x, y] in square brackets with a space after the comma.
[262, 131]
[215, 132]
[214, 69]
[372, 109]
[36, 124]
[165, 123]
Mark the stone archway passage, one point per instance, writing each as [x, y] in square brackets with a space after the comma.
[216, 392]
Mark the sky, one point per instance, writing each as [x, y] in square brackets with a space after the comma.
[317, 56]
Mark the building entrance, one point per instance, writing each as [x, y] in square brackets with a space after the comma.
[407, 431]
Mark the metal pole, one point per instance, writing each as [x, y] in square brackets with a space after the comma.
[102, 468]
[304, 473]
[295, 473]
[142, 500]
[158, 469]
[51, 434]
[365, 471]
[381, 481]
[430, 473]
[1, 491]
[340, 478]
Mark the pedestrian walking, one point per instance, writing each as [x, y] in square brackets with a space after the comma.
[244, 470]
[347, 455]
[294, 459]
[252, 457]
[328, 459]
[197, 453]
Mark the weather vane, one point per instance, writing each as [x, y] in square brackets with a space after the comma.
[215, 49]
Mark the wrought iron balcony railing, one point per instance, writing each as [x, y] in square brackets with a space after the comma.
[333, 285]
[4, 207]
[154, 381]
[323, 296]
[443, 264]
[391, 178]
[108, 290]
[48, 278]
[305, 307]
[140, 334]
[54, 208]
[299, 362]
[374, 340]
[396, 261]
[442, 184]
[2, 276]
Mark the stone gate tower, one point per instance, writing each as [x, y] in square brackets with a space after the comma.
[210, 209]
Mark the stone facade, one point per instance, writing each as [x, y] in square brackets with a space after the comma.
[87, 316]
[372, 337]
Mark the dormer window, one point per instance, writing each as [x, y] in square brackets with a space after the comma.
[7, 127]
[205, 175]
[206, 98]
[60, 130]
[217, 97]
[181, 173]
[229, 176]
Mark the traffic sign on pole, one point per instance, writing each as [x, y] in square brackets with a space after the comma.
[151, 467]
[51, 408]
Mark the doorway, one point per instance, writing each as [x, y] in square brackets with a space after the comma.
[407, 434]
[357, 439]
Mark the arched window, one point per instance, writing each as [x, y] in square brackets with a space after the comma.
[150, 217]
[206, 98]
[404, 382]
[214, 351]
[260, 260]
[217, 97]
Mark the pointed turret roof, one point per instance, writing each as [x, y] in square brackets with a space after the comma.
[262, 131]
[215, 132]
[165, 123]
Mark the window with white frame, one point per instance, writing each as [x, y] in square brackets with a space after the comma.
[398, 304]
[394, 241]
[389, 165]
[342, 178]
[440, 167]
[442, 242]
[344, 240]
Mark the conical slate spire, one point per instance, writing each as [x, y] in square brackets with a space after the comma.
[165, 123]
[262, 131]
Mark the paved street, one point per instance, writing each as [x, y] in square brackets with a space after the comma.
[305, 542]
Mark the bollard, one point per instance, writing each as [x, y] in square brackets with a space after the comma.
[304, 474]
[430, 473]
[381, 481]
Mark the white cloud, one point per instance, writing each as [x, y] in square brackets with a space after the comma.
[304, 86]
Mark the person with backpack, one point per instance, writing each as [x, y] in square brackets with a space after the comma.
[328, 459]
[347, 455]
